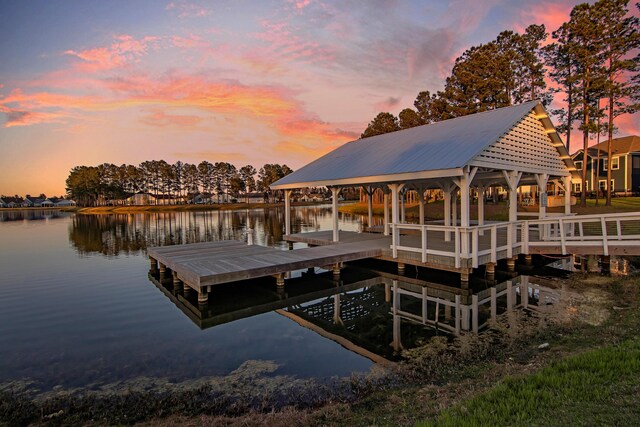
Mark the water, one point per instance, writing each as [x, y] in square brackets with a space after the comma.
[78, 310]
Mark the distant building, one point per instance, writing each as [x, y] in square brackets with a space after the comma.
[61, 202]
[625, 166]
[255, 197]
[11, 202]
[33, 202]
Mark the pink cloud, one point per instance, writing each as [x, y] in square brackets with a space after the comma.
[551, 14]
[26, 118]
[627, 124]
[300, 4]
[186, 9]
[282, 44]
[192, 41]
[124, 49]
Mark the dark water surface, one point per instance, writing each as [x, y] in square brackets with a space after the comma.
[77, 308]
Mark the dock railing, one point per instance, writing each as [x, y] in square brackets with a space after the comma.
[614, 229]
[468, 242]
[508, 238]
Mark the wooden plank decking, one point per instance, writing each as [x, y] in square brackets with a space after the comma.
[205, 264]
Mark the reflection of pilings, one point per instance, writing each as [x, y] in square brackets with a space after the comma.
[279, 280]
[605, 263]
[336, 310]
[401, 268]
[203, 296]
[491, 271]
[524, 292]
[177, 283]
[336, 270]
[186, 290]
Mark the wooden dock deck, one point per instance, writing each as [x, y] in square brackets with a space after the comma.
[202, 265]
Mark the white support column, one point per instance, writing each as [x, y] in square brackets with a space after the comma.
[386, 211]
[542, 179]
[334, 212]
[370, 207]
[403, 217]
[447, 210]
[287, 212]
[463, 183]
[566, 181]
[512, 178]
[454, 207]
[395, 214]
[421, 205]
[481, 191]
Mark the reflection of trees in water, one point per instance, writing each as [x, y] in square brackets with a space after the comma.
[31, 215]
[114, 234]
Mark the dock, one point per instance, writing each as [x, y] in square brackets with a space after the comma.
[200, 266]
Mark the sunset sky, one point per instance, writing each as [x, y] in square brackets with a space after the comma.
[248, 82]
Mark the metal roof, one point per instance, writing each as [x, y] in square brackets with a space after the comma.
[444, 145]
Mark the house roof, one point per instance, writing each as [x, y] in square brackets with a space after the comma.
[626, 144]
[445, 146]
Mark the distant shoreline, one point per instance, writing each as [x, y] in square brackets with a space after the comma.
[162, 208]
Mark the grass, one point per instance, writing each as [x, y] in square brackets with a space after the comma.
[599, 387]
[433, 210]
[500, 211]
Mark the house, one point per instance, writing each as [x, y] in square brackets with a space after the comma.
[11, 202]
[47, 203]
[254, 197]
[61, 202]
[201, 199]
[625, 166]
[140, 199]
[33, 202]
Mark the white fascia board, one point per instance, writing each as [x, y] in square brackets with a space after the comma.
[348, 182]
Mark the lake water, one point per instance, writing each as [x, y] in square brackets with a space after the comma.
[79, 310]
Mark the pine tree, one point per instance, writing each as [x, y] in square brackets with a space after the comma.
[381, 124]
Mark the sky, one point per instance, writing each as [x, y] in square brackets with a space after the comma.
[247, 82]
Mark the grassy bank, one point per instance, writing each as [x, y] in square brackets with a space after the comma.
[599, 387]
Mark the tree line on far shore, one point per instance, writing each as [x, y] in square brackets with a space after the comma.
[102, 184]
[592, 58]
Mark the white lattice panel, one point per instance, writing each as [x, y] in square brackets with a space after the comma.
[526, 147]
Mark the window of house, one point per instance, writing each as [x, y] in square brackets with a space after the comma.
[615, 163]
[602, 184]
[605, 163]
[578, 165]
[577, 187]
[636, 162]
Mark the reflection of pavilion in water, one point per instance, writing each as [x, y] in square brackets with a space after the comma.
[374, 316]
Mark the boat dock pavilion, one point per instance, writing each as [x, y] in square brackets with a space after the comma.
[508, 147]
